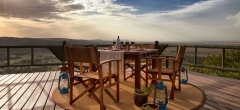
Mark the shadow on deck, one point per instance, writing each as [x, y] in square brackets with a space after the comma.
[34, 90]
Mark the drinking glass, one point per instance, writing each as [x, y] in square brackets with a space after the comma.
[114, 42]
[132, 44]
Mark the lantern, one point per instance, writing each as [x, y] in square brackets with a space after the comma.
[160, 96]
[63, 83]
[184, 75]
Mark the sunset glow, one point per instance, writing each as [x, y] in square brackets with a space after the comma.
[138, 20]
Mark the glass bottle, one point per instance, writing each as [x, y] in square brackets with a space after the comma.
[117, 46]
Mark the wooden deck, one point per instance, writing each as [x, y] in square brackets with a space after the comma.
[33, 91]
[221, 93]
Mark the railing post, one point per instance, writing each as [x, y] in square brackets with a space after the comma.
[63, 52]
[156, 46]
[63, 67]
[160, 47]
[223, 57]
[195, 56]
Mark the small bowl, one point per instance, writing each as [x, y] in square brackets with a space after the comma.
[152, 105]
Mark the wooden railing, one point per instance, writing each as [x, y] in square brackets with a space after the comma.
[32, 55]
[221, 48]
[58, 51]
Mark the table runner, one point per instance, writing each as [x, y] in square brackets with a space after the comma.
[109, 54]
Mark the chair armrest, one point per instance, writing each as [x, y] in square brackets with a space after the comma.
[164, 58]
[107, 61]
[167, 56]
[151, 57]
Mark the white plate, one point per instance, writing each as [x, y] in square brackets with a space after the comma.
[115, 49]
[138, 49]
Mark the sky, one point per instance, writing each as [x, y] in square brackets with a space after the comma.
[131, 20]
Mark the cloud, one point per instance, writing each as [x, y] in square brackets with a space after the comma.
[202, 21]
[65, 1]
[36, 9]
[74, 7]
[235, 18]
[106, 7]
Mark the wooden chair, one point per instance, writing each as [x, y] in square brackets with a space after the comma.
[157, 70]
[91, 79]
[130, 64]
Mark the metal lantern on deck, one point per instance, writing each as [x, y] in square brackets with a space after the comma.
[63, 83]
[184, 75]
[160, 96]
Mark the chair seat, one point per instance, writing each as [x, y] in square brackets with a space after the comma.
[94, 75]
[164, 71]
[85, 65]
[143, 62]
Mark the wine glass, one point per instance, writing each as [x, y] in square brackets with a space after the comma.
[132, 44]
[114, 42]
[127, 42]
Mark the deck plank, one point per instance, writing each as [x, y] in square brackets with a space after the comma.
[11, 90]
[207, 107]
[215, 105]
[28, 92]
[221, 93]
[233, 98]
[9, 82]
[7, 88]
[232, 94]
[34, 91]
[3, 81]
[228, 81]
[214, 84]
[217, 84]
[3, 77]
[46, 87]
[37, 91]
[14, 95]
[50, 105]
[223, 102]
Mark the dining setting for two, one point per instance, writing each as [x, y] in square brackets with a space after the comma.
[119, 45]
[121, 70]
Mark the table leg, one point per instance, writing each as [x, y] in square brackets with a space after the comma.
[137, 72]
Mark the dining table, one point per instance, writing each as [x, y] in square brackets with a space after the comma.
[133, 54]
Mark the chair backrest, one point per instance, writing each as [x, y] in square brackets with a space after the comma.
[81, 55]
[161, 48]
[181, 52]
[180, 56]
